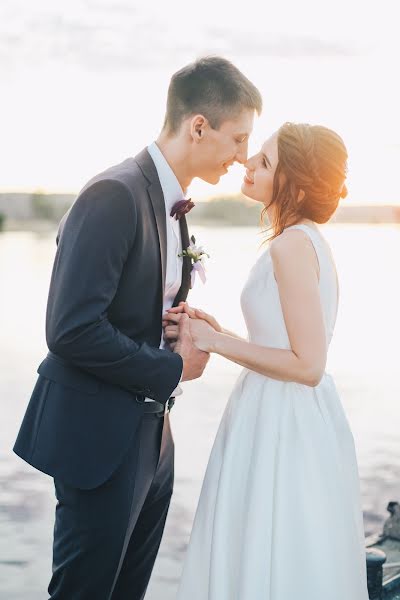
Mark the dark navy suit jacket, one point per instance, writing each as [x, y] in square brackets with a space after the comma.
[103, 328]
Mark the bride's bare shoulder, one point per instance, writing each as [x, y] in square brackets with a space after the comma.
[293, 254]
[290, 243]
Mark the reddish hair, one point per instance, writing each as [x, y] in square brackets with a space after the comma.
[312, 159]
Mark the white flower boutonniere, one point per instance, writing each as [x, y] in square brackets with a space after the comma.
[197, 255]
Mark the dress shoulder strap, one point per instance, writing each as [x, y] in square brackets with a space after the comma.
[314, 236]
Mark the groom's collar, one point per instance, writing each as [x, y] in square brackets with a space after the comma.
[170, 185]
[147, 166]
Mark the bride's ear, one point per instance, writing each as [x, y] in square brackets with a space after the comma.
[301, 196]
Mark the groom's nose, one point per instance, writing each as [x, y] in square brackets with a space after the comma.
[241, 155]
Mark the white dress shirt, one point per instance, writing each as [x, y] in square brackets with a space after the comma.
[172, 192]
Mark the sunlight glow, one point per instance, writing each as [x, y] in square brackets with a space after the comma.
[83, 87]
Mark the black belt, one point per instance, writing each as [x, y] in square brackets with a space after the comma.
[158, 408]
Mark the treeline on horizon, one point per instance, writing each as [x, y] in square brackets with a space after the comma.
[219, 210]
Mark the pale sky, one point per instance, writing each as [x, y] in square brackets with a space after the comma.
[84, 82]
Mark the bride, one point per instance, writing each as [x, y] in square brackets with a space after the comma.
[279, 515]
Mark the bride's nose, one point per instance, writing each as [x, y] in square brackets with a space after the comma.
[249, 164]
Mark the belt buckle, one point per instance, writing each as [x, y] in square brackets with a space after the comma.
[165, 410]
[168, 405]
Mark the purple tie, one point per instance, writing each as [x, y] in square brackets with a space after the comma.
[181, 207]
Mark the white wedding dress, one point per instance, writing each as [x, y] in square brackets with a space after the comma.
[279, 515]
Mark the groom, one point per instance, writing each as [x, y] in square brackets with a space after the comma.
[98, 419]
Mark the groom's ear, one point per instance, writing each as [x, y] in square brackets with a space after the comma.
[197, 127]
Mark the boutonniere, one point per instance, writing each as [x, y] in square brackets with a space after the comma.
[197, 255]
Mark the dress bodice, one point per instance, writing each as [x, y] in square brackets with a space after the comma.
[260, 296]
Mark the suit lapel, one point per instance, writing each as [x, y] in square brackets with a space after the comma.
[186, 264]
[155, 192]
[149, 170]
[157, 200]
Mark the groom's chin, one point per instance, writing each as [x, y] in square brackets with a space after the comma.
[212, 179]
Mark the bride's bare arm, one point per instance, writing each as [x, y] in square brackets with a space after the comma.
[234, 335]
[200, 314]
[296, 272]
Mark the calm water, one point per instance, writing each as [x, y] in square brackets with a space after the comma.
[363, 358]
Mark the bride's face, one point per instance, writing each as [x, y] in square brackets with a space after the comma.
[260, 170]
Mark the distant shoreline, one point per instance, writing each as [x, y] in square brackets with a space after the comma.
[42, 212]
[43, 228]
[33, 225]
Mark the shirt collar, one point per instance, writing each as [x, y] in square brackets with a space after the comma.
[169, 183]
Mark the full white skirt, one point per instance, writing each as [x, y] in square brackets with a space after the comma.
[279, 515]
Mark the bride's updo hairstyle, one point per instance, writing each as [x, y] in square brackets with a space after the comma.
[312, 159]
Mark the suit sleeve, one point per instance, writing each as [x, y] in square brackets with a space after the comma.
[94, 242]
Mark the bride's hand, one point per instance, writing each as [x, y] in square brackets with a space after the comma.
[200, 314]
[171, 318]
[183, 307]
[203, 334]
[194, 313]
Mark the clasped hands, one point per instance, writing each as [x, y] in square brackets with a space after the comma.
[191, 333]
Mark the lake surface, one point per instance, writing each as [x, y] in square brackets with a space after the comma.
[364, 360]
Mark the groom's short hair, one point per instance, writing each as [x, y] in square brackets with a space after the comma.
[211, 86]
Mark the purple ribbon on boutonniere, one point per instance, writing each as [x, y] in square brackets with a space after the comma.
[197, 267]
[197, 256]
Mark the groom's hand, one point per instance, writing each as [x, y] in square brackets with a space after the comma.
[170, 325]
[194, 360]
